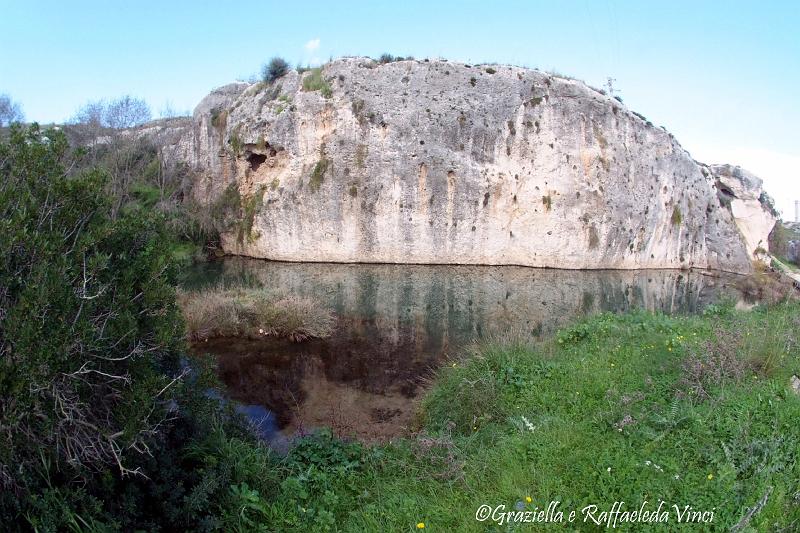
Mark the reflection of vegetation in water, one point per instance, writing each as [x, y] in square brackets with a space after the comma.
[442, 306]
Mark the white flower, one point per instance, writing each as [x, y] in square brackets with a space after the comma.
[260, 331]
[528, 424]
[648, 463]
[608, 469]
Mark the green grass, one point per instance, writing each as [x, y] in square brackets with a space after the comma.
[605, 411]
[315, 81]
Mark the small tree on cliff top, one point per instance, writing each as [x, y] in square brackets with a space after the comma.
[273, 70]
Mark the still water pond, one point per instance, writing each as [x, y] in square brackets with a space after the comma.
[396, 323]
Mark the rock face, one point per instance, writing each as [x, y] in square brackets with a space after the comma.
[436, 162]
[744, 192]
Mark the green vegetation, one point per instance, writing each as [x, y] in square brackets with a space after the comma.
[252, 312]
[236, 143]
[104, 429]
[676, 217]
[89, 355]
[490, 70]
[547, 202]
[250, 206]
[318, 174]
[314, 81]
[779, 239]
[273, 70]
[692, 410]
[353, 191]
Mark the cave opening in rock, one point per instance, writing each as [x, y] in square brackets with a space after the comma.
[256, 160]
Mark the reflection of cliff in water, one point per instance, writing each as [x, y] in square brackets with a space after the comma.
[396, 322]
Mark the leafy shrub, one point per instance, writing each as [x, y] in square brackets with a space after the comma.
[490, 70]
[84, 383]
[386, 58]
[219, 118]
[250, 207]
[318, 174]
[714, 362]
[273, 70]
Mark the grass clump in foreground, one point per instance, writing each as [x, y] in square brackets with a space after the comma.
[252, 312]
[694, 411]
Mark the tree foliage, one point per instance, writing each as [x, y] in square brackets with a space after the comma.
[89, 330]
[123, 112]
[273, 70]
[10, 111]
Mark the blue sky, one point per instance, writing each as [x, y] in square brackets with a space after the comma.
[722, 76]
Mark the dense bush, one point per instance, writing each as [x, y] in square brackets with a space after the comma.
[88, 321]
[273, 70]
[99, 428]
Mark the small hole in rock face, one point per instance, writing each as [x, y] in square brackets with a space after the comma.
[256, 160]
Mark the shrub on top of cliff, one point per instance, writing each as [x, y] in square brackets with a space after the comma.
[273, 70]
[318, 174]
[386, 58]
[769, 204]
[676, 218]
[490, 70]
[314, 81]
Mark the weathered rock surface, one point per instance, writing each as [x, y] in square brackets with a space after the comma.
[436, 162]
[744, 192]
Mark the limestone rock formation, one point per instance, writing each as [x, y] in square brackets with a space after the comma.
[438, 162]
[744, 192]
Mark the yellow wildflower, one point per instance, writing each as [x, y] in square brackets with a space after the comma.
[420, 525]
[528, 499]
[710, 476]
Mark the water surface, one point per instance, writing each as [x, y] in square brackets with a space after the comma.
[396, 323]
